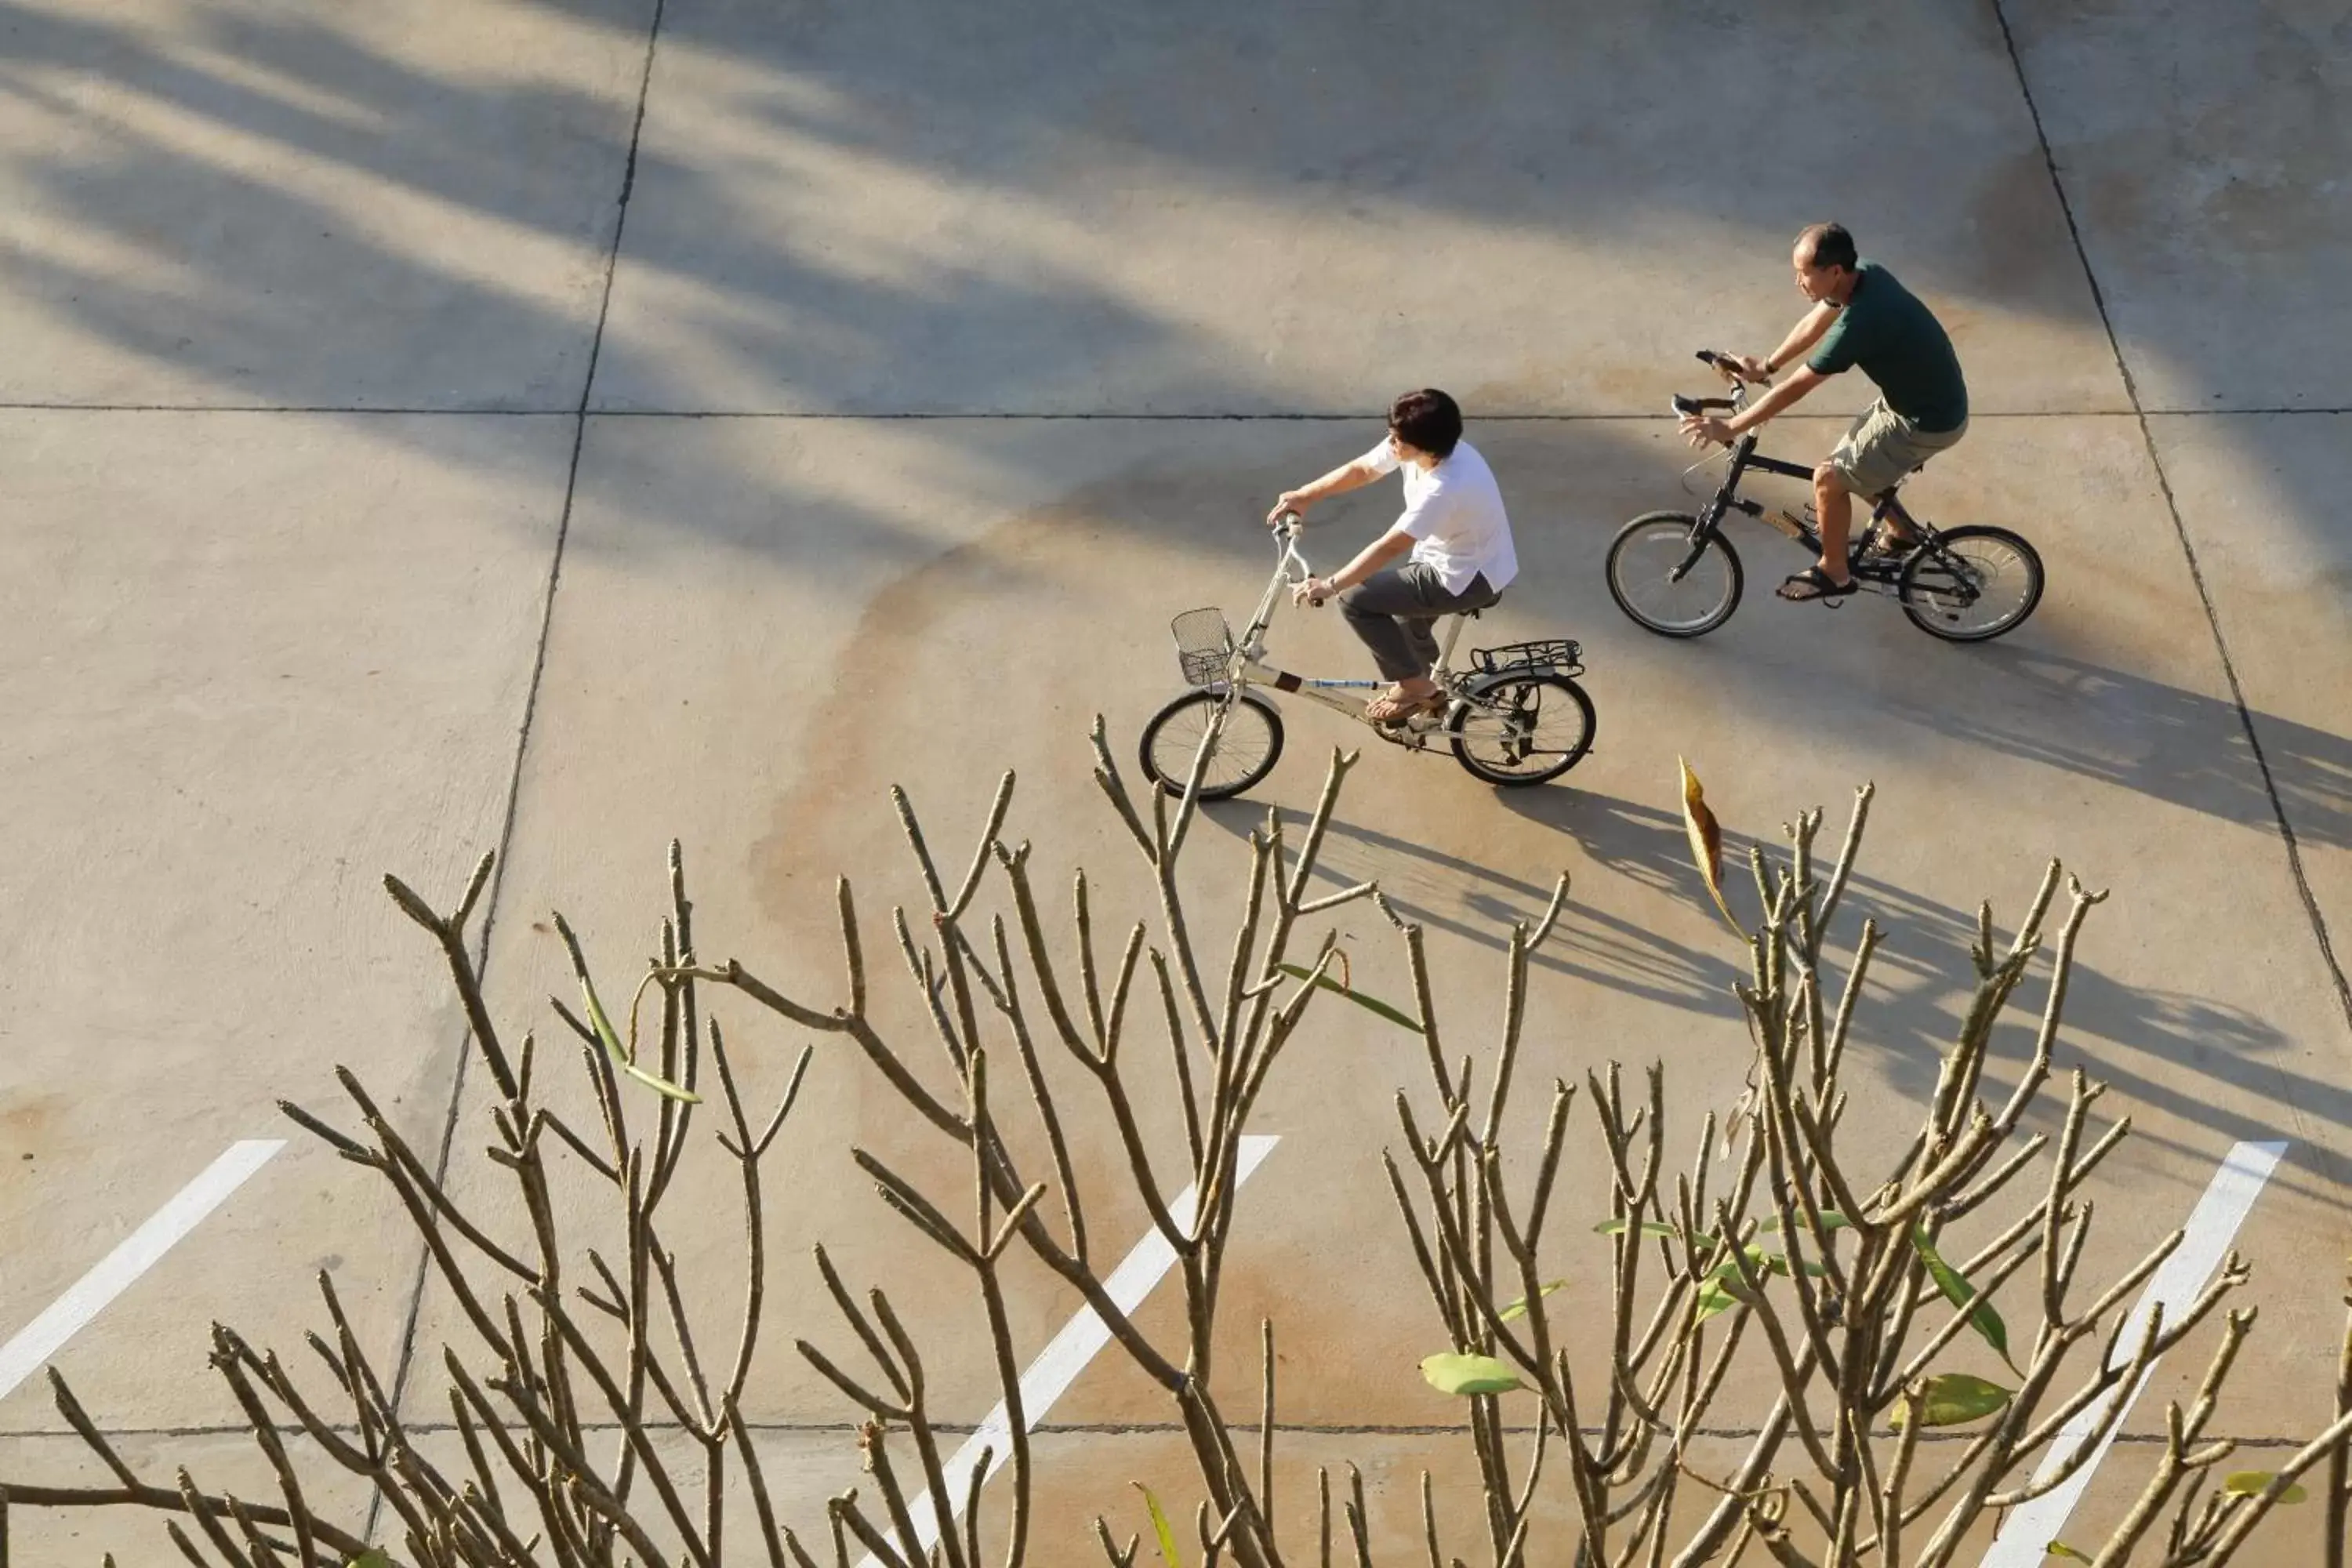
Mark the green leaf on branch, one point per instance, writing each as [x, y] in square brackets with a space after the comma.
[1954, 1399]
[1449, 1371]
[1519, 1309]
[1759, 1262]
[371, 1558]
[1960, 1293]
[606, 1037]
[1160, 1527]
[2253, 1483]
[1714, 1299]
[2060, 1549]
[1831, 1220]
[1369, 1003]
[1762, 1261]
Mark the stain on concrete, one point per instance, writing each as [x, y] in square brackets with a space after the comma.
[997, 624]
[27, 1123]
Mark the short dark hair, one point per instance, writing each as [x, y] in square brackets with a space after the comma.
[1832, 247]
[1427, 419]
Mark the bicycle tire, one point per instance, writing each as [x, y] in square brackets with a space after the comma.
[1214, 784]
[1647, 529]
[1922, 602]
[1555, 761]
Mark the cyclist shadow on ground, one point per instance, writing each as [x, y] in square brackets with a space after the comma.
[1923, 976]
[2159, 741]
[1448, 893]
[1919, 982]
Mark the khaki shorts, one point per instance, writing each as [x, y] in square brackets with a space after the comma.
[1881, 446]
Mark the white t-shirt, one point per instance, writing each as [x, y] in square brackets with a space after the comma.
[1455, 513]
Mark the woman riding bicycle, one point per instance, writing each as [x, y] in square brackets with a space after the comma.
[1452, 526]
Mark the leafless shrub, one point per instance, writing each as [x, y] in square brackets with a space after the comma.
[585, 1367]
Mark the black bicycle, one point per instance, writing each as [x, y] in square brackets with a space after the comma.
[1676, 574]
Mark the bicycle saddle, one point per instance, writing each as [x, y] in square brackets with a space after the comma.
[1888, 493]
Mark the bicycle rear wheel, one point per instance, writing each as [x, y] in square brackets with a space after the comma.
[1243, 739]
[1642, 559]
[1522, 729]
[1972, 585]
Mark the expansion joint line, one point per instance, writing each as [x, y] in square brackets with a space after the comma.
[2311, 908]
[530, 707]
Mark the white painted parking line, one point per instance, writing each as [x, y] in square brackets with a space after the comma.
[1058, 1365]
[2024, 1540]
[140, 1251]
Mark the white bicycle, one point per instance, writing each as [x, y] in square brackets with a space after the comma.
[1516, 716]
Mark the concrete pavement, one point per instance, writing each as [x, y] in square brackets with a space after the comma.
[729, 589]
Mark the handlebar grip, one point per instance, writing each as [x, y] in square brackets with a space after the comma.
[1708, 356]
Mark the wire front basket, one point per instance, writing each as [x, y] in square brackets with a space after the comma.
[1205, 646]
[1559, 654]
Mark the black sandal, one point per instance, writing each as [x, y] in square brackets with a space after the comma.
[1818, 581]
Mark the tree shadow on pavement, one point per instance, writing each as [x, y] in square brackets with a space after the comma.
[2177, 746]
[2125, 1035]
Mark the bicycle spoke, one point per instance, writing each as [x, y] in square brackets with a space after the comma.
[1528, 729]
[1973, 584]
[1242, 743]
[1664, 580]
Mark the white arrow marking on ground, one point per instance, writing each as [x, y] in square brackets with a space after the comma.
[140, 1251]
[2024, 1540]
[1058, 1365]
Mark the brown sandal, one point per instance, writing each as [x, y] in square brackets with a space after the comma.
[1394, 708]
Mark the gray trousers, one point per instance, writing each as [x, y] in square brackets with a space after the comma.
[1391, 611]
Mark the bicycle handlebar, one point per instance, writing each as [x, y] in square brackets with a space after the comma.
[1288, 526]
[1728, 369]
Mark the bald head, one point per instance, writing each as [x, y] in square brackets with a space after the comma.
[1824, 260]
[1825, 245]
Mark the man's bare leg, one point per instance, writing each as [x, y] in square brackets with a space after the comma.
[1833, 507]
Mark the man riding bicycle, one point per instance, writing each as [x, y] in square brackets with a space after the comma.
[1452, 526]
[1860, 316]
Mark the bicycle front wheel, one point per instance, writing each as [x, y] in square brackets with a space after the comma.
[1643, 560]
[1972, 585]
[1242, 736]
[1522, 729]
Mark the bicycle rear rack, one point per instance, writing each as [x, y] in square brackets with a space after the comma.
[1559, 654]
[1205, 646]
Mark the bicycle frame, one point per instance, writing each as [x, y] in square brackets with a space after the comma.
[1745, 458]
[1468, 708]
[1886, 507]
[1247, 665]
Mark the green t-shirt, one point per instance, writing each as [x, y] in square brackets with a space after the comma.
[1901, 346]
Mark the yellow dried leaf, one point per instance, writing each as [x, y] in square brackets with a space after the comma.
[1706, 842]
